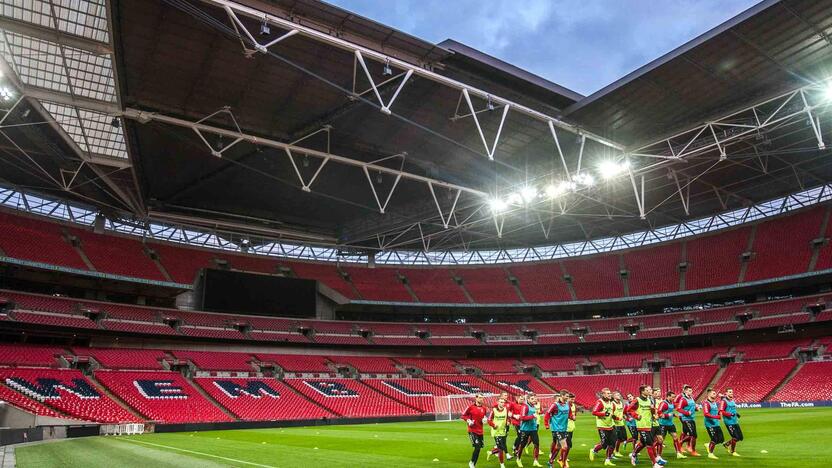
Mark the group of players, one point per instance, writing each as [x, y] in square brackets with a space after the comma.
[648, 418]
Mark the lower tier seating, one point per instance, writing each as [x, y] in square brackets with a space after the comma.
[812, 382]
[68, 391]
[698, 377]
[752, 381]
[349, 398]
[260, 399]
[587, 387]
[161, 396]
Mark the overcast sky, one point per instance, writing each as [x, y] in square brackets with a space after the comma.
[581, 44]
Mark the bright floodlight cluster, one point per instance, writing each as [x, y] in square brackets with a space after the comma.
[606, 170]
[6, 93]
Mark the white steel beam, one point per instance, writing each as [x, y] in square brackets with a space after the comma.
[320, 36]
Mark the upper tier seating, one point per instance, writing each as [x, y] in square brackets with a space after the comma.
[650, 270]
[653, 270]
[488, 285]
[752, 381]
[38, 241]
[117, 255]
[555, 364]
[706, 270]
[459, 384]
[541, 282]
[622, 361]
[68, 391]
[378, 284]
[350, 398]
[260, 399]
[586, 387]
[434, 285]
[161, 396]
[369, 364]
[691, 356]
[595, 278]
[797, 231]
[812, 382]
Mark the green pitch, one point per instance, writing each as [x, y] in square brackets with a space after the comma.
[792, 437]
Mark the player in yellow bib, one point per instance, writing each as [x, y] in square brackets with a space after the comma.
[603, 412]
[498, 420]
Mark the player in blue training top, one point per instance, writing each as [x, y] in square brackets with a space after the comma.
[710, 409]
[731, 418]
[557, 419]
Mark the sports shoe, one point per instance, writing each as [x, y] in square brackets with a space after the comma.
[549, 465]
[537, 463]
[656, 465]
[502, 465]
[509, 456]
[471, 464]
[591, 455]
[618, 454]
[608, 462]
[519, 462]
[660, 462]
[633, 459]
[712, 456]
[681, 456]
[694, 453]
[735, 454]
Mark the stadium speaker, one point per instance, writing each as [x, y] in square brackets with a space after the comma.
[98, 224]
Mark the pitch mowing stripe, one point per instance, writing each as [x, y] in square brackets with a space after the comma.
[199, 453]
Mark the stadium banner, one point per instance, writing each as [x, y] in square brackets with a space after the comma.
[786, 404]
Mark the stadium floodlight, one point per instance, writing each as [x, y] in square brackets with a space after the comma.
[528, 194]
[489, 104]
[387, 71]
[265, 30]
[515, 198]
[6, 94]
[610, 169]
[497, 205]
[584, 179]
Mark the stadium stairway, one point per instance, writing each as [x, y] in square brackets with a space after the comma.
[392, 397]
[106, 391]
[785, 381]
[210, 398]
[711, 384]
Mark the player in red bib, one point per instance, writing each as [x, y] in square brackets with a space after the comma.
[475, 417]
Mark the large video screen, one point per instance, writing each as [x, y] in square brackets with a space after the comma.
[251, 293]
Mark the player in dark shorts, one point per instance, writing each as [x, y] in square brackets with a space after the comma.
[619, 420]
[710, 408]
[667, 428]
[731, 418]
[630, 422]
[475, 417]
[686, 407]
[643, 411]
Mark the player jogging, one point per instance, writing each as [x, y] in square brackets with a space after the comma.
[686, 407]
[643, 411]
[618, 421]
[570, 425]
[658, 438]
[498, 420]
[630, 422]
[603, 412]
[730, 416]
[666, 425]
[474, 415]
[557, 419]
[515, 411]
[507, 405]
[710, 409]
[529, 423]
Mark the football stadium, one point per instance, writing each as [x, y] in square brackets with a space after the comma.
[270, 232]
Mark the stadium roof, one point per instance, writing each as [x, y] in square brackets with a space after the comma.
[335, 130]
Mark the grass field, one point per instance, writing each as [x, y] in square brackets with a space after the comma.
[792, 437]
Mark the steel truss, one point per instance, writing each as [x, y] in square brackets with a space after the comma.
[234, 10]
[14, 198]
[717, 136]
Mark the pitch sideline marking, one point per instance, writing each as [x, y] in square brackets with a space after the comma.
[200, 453]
